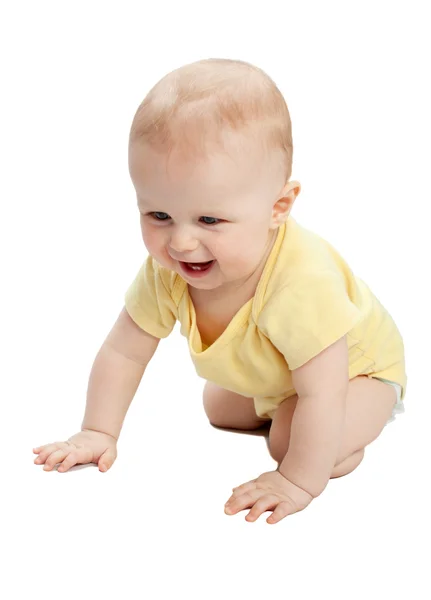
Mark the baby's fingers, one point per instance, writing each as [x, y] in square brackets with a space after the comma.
[56, 457]
[45, 451]
[76, 456]
[40, 449]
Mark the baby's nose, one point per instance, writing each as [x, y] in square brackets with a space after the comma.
[182, 242]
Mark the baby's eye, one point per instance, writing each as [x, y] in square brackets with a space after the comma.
[160, 216]
[210, 220]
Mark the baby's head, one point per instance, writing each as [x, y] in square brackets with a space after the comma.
[210, 156]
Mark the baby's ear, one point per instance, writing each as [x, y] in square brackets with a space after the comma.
[283, 206]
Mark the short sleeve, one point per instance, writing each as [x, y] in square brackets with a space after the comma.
[308, 315]
[149, 302]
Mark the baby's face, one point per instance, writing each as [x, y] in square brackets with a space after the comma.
[210, 221]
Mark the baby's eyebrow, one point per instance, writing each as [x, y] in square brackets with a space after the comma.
[145, 205]
[216, 214]
[219, 213]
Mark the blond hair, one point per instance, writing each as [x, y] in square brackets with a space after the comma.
[192, 108]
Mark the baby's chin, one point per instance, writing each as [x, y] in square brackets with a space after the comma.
[203, 286]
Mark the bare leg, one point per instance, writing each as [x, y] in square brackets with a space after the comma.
[369, 406]
[349, 464]
[229, 410]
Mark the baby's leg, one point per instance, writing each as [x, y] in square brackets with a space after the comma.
[368, 407]
[227, 409]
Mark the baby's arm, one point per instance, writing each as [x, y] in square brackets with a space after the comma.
[115, 376]
[316, 429]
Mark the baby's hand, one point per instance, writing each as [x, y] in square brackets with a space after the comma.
[84, 447]
[270, 491]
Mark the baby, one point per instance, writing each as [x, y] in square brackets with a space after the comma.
[276, 321]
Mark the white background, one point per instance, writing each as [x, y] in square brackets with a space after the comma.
[355, 80]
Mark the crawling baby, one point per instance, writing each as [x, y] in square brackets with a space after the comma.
[277, 323]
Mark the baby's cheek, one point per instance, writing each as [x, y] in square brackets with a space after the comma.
[151, 239]
[240, 258]
[156, 244]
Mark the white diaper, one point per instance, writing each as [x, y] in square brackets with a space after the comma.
[399, 405]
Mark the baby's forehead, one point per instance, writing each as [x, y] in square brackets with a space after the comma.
[212, 186]
[222, 166]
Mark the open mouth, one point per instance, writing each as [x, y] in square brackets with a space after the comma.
[197, 268]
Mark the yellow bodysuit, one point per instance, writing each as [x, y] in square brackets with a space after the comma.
[306, 299]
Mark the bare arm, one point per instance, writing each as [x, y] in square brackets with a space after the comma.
[115, 376]
[317, 423]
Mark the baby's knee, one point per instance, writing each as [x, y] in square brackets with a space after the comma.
[230, 410]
